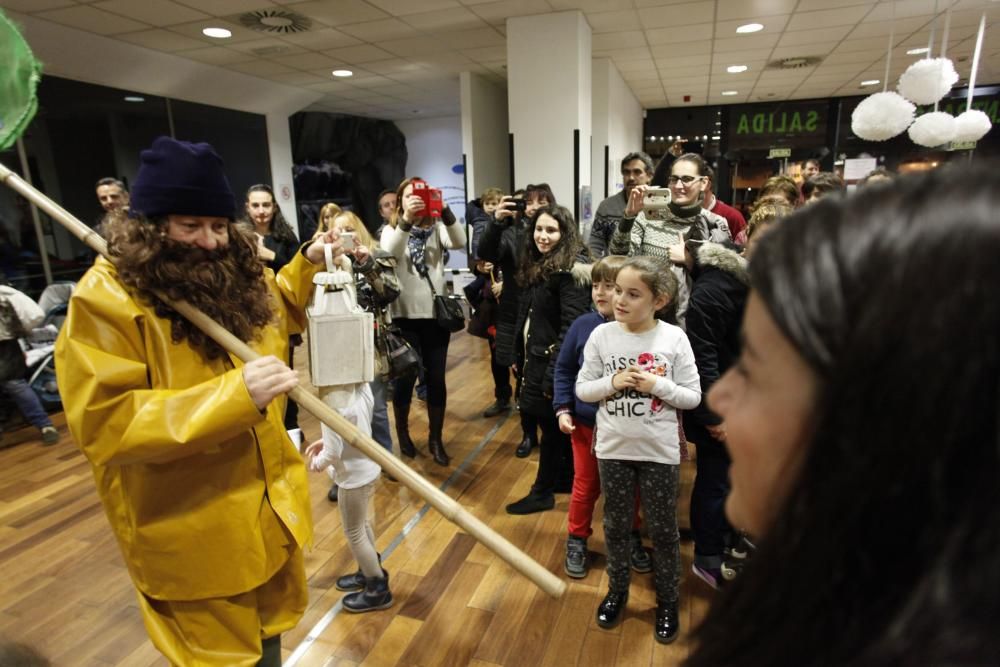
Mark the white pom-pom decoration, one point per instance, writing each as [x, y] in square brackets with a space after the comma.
[927, 81]
[882, 116]
[933, 129]
[972, 125]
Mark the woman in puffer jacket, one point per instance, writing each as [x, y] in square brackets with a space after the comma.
[556, 290]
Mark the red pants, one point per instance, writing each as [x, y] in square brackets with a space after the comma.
[587, 484]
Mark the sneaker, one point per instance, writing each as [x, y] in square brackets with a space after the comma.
[640, 559]
[532, 503]
[710, 575]
[497, 407]
[741, 548]
[50, 435]
[577, 563]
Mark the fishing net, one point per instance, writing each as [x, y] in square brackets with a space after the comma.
[19, 77]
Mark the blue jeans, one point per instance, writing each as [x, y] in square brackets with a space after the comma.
[27, 402]
[380, 415]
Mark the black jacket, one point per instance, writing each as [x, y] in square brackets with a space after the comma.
[500, 244]
[549, 307]
[714, 317]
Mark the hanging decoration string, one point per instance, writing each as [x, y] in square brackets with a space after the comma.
[888, 55]
[975, 60]
[944, 43]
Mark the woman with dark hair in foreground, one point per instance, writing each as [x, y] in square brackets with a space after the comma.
[862, 421]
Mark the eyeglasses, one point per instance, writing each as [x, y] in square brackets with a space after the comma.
[686, 180]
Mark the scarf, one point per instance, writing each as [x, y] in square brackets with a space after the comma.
[416, 246]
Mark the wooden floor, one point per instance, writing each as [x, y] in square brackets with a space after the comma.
[65, 590]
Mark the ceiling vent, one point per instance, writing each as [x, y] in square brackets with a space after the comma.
[275, 21]
[794, 63]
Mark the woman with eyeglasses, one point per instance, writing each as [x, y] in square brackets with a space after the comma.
[655, 232]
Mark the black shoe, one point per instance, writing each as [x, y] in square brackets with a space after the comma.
[351, 582]
[500, 405]
[524, 449]
[609, 613]
[331, 495]
[638, 556]
[356, 580]
[668, 624]
[376, 595]
[577, 563]
[532, 503]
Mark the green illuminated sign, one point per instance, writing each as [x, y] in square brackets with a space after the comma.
[778, 122]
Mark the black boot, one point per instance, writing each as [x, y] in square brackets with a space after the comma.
[435, 415]
[668, 623]
[375, 596]
[401, 411]
[525, 447]
[355, 581]
[270, 652]
[611, 609]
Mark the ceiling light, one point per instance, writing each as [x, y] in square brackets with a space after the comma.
[871, 82]
[134, 98]
[736, 69]
[217, 33]
[342, 72]
[716, 138]
[917, 52]
[730, 92]
[749, 27]
[718, 122]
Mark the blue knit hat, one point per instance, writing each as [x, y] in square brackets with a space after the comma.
[178, 177]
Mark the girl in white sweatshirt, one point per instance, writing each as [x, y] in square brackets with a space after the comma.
[642, 370]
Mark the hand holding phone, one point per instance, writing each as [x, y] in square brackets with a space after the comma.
[347, 241]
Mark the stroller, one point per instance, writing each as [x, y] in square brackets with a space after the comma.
[39, 350]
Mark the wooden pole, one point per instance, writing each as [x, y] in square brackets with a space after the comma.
[443, 503]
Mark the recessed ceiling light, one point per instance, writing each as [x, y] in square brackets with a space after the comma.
[718, 122]
[716, 138]
[342, 72]
[730, 92]
[917, 52]
[217, 33]
[749, 27]
[871, 82]
[736, 69]
[134, 98]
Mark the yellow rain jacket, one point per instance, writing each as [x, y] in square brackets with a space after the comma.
[206, 495]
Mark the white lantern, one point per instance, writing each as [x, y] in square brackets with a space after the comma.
[882, 116]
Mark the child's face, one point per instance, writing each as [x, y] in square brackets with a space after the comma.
[634, 302]
[602, 293]
[491, 206]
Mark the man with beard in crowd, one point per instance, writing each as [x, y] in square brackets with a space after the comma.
[204, 490]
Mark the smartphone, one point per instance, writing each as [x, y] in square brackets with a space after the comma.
[520, 205]
[347, 240]
[654, 199]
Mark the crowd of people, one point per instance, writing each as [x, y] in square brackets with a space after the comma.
[771, 345]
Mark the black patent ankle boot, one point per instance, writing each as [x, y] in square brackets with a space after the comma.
[667, 624]
[611, 609]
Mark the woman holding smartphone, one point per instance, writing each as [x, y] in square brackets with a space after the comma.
[418, 241]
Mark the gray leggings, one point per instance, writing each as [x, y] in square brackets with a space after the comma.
[657, 484]
[354, 504]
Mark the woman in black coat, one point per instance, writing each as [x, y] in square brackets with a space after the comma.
[555, 291]
[501, 244]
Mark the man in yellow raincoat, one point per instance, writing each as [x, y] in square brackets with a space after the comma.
[202, 486]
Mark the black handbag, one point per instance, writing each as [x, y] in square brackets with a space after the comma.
[398, 358]
[447, 310]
